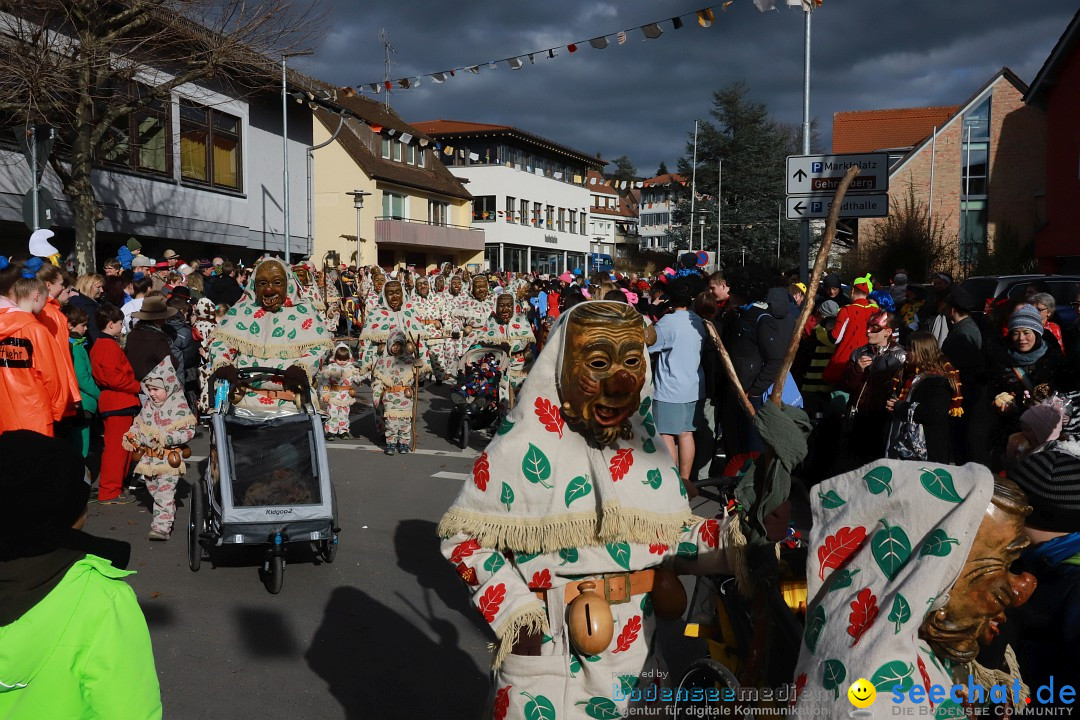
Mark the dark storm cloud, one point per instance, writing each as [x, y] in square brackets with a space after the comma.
[640, 99]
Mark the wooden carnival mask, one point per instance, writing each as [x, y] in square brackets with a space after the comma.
[455, 285]
[603, 370]
[985, 588]
[480, 288]
[504, 309]
[302, 275]
[377, 282]
[271, 286]
[394, 295]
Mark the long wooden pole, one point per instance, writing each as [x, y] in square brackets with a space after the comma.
[811, 290]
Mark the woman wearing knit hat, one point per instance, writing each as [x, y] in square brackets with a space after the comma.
[1047, 629]
[1024, 375]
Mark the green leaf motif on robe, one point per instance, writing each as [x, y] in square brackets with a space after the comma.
[278, 332]
[901, 611]
[292, 334]
[830, 500]
[814, 625]
[538, 708]
[686, 550]
[939, 483]
[648, 446]
[241, 326]
[536, 467]
[891, 549]
[506, 426]
[568, 555]
[620, 553]
[653, 479]
[507, 496]
[891, 674]
[646, 403]
[646, 605]
[843, 578]
[494, 563]
[878, 479]
[600, 708]
[524, 557]
[833, 674]
[579, 487]
[938, 544]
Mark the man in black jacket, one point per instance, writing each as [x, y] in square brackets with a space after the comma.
[969, 351]
[225, 290]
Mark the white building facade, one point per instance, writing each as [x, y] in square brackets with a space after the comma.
[657, 205]
[529, 194]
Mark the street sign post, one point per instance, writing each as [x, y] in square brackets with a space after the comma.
[36, 144]
[44, 207]
[854, 206]
[821, 174]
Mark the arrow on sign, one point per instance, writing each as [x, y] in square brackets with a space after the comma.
[799, 175]
[799, 207]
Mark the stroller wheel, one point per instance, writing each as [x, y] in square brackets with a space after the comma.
[196, 524]
[274, 574]
[464, 438]
[328, 549]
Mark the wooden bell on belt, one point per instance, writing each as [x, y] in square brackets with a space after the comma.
[136, 454]
[174, 458]
[185, 451]
[589, 620]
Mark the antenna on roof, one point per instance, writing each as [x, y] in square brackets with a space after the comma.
[384, 38]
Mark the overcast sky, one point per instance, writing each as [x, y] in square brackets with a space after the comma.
[640, 99]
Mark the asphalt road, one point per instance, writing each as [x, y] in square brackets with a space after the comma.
[385, 631]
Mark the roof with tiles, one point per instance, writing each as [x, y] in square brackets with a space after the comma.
[444, 129]
[666, 179]
[869, 130]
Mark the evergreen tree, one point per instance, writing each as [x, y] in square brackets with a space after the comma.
[624, 170]
[753, 149]
[662, 170]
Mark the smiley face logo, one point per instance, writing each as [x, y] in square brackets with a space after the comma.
[862, 693]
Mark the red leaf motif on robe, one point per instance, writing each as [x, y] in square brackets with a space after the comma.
[837, 548]
[540, 580]
[864, 610]
[464, 550]
[549, 415]
[710, 533]
[925, 678]
[502, 702]
[621, 464]
[628, 635]
[306, 325]
[259, 313]
[658, 549]
[491, 600]
[800, 683]
[481, 472]
[467, 574]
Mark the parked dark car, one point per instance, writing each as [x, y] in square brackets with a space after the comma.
[1064, 288]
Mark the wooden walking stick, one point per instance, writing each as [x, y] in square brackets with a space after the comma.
[415, 394]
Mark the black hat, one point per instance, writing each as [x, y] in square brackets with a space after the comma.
[963, 300]
[688, 260]
[1051, 479]
[181, 291]
[832, 280]
[45, 488]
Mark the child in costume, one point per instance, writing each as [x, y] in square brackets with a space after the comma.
[76, 321]
[392, 388]
[338, 382]
[159, 436]
[204, 320]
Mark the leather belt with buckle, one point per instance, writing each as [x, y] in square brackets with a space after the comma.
[618, 587]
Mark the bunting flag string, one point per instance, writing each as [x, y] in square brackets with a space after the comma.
[704, 17]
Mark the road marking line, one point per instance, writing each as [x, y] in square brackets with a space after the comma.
[451, 475]
[419, 451]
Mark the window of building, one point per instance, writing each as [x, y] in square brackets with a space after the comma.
[386, 142]
[410, 154]
[523, 213]
[584, 221]
[549, 217]
[438, 212]
[974, 183]
[421, 157]
[142, 139]
[573, 221]
[514, 258]
[394, 205]
[397, 151]
[562, 219]
[209, 146]
[537, 210]
[972, 231]
[484, 208]
[491, 257]
[511, 203]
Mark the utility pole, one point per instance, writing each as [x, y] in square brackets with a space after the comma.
[384, 38]
[693, 190]
[804, 230]
[285, 149]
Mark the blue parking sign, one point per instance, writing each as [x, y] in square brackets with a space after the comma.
[815, 206]
[815, 167]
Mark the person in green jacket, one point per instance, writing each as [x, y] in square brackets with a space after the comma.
[73, 640]
[77, 320]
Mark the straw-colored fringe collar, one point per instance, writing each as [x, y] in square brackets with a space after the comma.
[987, 677]
[551, 534]
[531, 617]
[154, 467]
[268, 349]
[735, 551]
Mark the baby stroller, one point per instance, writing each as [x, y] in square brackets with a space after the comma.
[475, 394]
[267, 482]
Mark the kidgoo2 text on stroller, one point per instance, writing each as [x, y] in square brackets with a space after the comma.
[267, 481]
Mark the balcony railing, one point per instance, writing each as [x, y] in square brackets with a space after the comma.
[400, 231]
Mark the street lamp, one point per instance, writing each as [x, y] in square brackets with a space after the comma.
[285, 145]
[358, 203]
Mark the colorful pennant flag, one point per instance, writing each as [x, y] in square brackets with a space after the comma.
[705, 18]
[515, 63]
[621, 37]
[439, 77]
[448, 151]
[676, 23]
[599, 42]
[572, 47]
[376, 128]
[651, 31]
[473, 157]
[406, 138]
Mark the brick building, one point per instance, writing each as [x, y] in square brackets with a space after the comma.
[980, 172]
[1056, 91]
